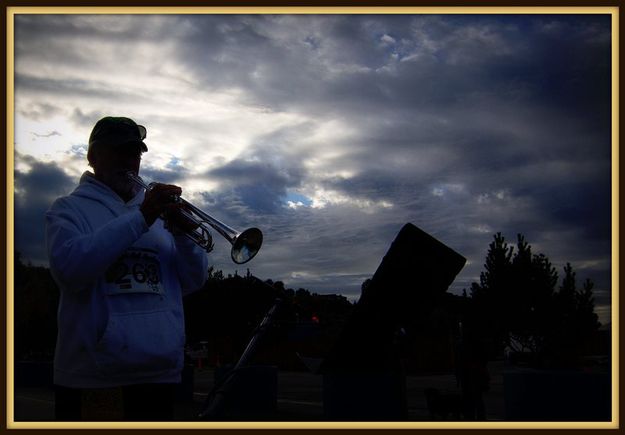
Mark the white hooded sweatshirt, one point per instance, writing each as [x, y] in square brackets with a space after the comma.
[120, 315]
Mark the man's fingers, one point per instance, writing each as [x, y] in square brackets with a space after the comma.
[161, 198]
[167, 188]
[165, 193]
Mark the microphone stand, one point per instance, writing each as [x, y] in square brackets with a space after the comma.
[217, 398]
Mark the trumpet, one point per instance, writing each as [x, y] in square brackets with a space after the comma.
[245, 245]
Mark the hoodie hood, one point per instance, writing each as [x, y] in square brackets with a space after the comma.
[91, 188]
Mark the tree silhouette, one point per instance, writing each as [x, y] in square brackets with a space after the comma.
[226, 311]
[587, 319]
[36, 298]
[533, 282]
[492, 294]
[517, 305]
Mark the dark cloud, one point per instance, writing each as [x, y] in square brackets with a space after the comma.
[52, 133]
[35, 190]
[432, 61]
[258, 185]
[80, 118]
[49, 87]
[40, 111]
[465, 125]
[166, 176]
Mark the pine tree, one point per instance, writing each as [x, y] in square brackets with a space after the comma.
[530, 304]
[517, 305]
[565, 331]
[490, 295]
[586, 319]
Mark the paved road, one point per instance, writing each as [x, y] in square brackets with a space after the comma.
[299, 397]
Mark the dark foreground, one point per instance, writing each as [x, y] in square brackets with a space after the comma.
[299, 397]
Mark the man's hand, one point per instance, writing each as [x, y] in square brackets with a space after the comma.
[176, 222]
[160, 199]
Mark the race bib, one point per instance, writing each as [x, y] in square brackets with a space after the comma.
[136, 271]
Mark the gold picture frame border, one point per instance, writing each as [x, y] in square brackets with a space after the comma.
[10, 11]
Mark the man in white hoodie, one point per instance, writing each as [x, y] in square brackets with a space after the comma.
[122, 276]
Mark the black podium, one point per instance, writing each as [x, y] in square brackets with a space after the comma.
[362, 374]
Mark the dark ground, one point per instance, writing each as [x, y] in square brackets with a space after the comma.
[299, 397]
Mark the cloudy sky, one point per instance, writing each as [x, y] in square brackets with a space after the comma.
[329, 132]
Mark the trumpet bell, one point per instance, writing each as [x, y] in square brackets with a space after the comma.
[246, 245]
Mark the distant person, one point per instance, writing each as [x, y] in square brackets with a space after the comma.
[122, 276]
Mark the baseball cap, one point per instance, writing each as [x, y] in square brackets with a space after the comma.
[115, 131]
